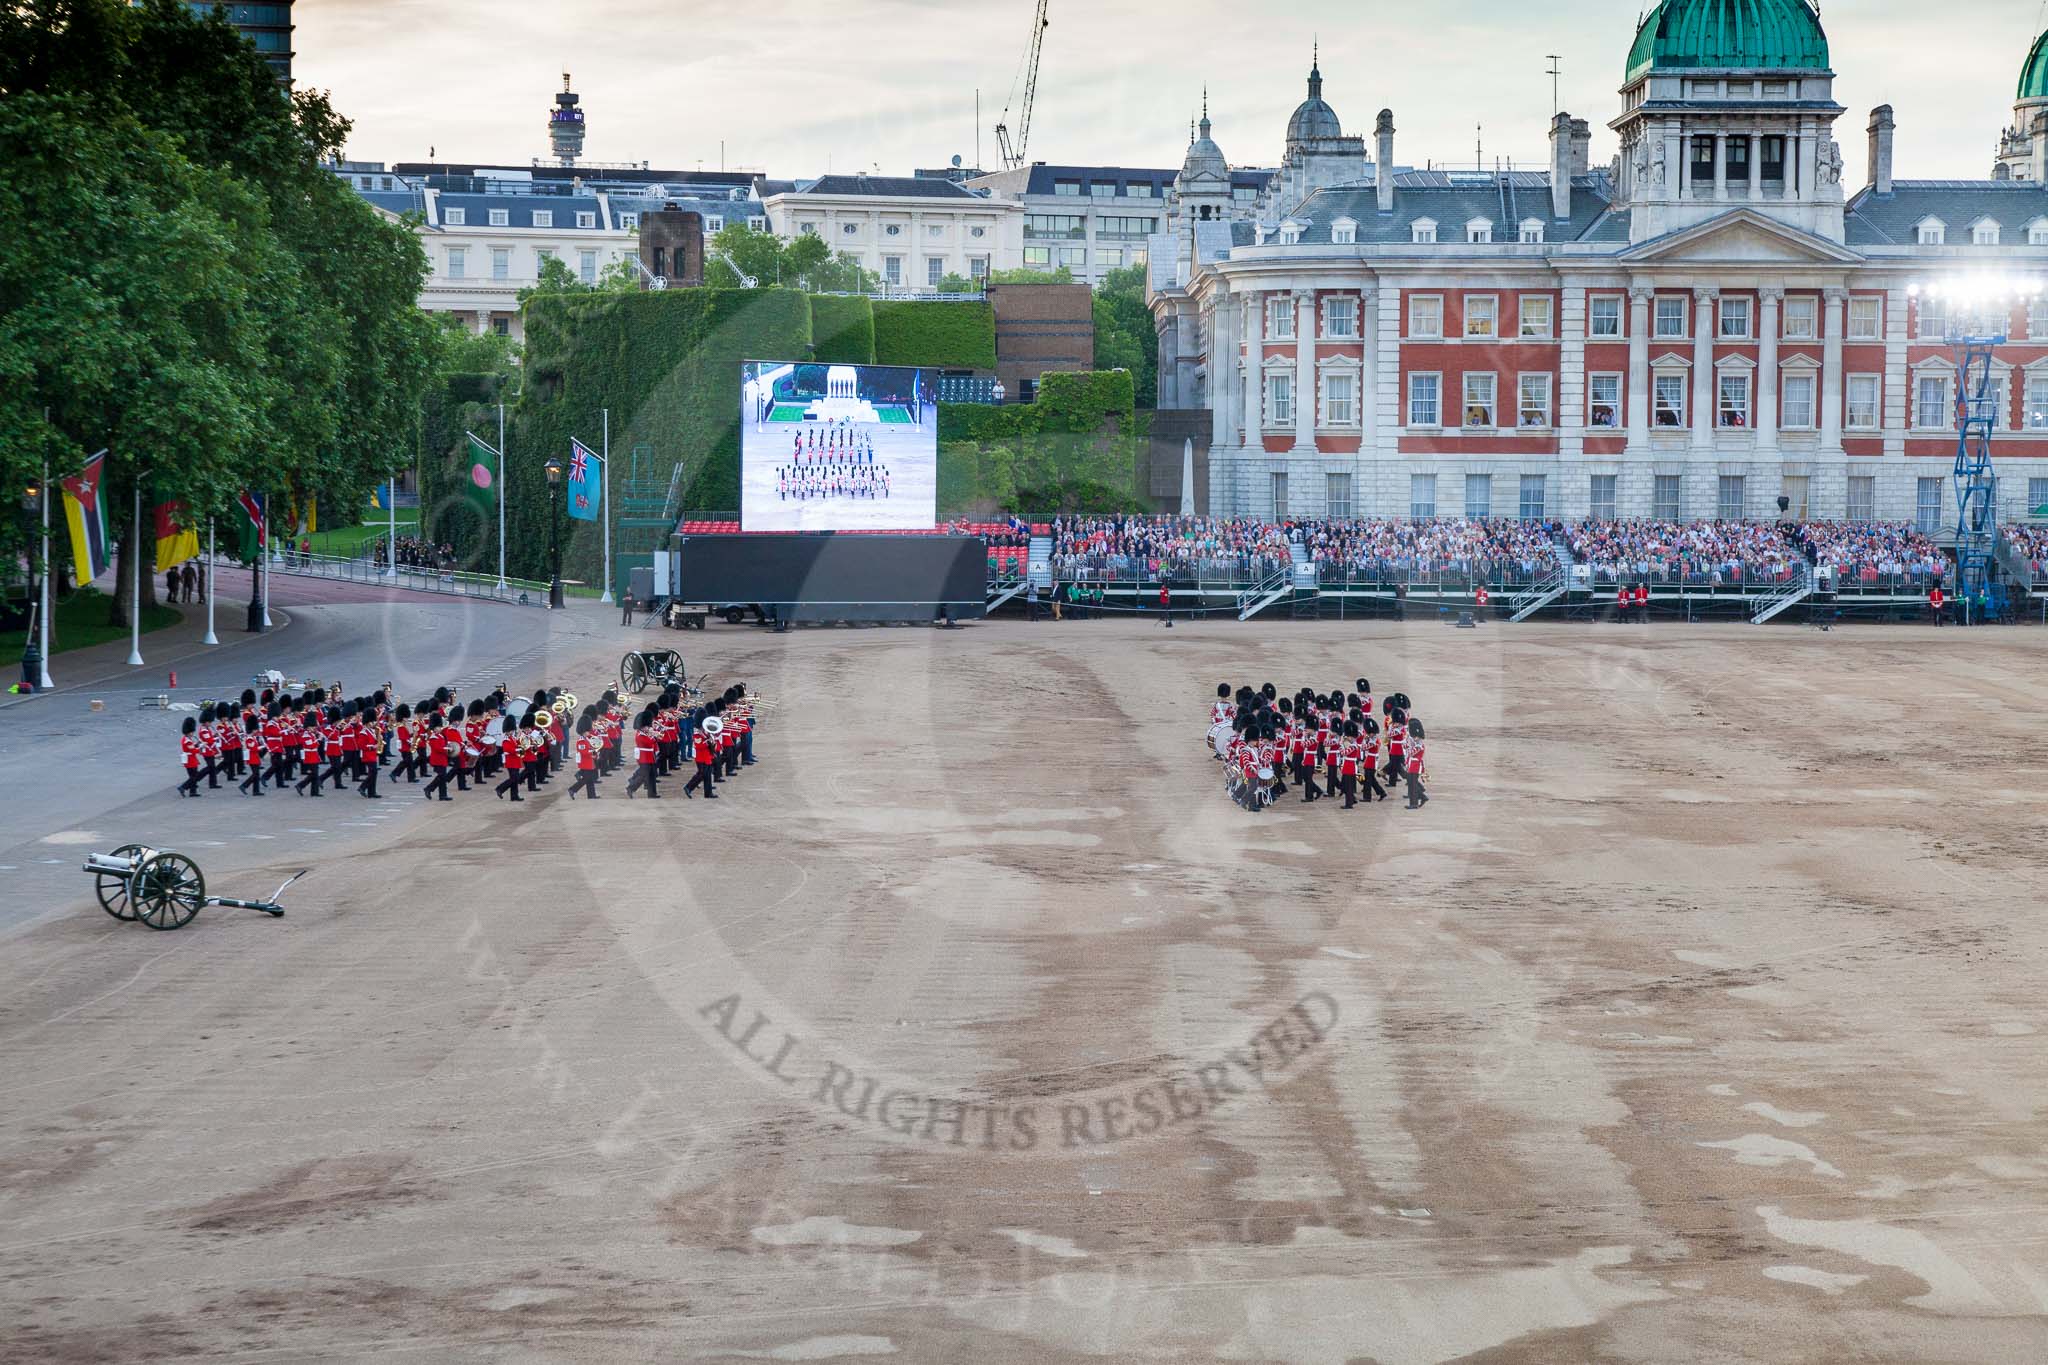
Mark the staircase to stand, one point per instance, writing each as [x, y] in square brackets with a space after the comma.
[1783, 596]
[1538, 595]
[1037, 570]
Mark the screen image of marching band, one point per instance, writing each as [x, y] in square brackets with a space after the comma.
[837, 447]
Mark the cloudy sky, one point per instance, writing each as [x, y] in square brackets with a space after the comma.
[797, 87]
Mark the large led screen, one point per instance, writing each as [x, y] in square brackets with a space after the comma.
[837, 447]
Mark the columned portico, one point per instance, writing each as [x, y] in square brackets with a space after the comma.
[1764, 402]
[1304, 301]
[1639, 296]
[1704, 302]
[1831, 372]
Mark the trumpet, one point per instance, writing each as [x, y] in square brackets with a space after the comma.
[564, 704]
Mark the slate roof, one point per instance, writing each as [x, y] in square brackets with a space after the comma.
[888, 186]
[1453, 199]
[1891, 219]
[520, 208]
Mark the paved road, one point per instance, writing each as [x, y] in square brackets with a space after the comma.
[80, 779]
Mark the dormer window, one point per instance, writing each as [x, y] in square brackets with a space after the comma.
[1290, 233]
[1532, 231]
[1984, 232]
[500, 218]
[2037, 232]
[1423, 230]
[455, 217]
[1344, 232]
[1930, 232]
[1479, 230]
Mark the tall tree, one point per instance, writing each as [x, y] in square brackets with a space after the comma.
[269, 331]
[1125, 338]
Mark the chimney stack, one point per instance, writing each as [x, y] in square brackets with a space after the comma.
[1561, 166]
[2040, 147]
[1582, 147]
[1383, 177]
[1881, 126]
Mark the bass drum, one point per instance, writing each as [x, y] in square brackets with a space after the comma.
[1219, 736]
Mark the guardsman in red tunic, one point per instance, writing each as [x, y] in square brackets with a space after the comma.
[704, 749]
[309, 756]
[586, 761]
[515, 762]
[188, 754]
[1621, 600]
[1397, 739]
[443, 741]
[252, 750]
[647, 756]
[1643, 602]
[1417, 797]
[278, 745]
[1369, 759]
[1934, 601]
[1348, 750]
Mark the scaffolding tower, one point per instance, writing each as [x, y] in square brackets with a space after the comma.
[1976, 483]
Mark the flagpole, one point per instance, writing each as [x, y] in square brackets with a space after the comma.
[263, 548]
[605, 496]
[391, 545]
[210, 637]
[501, 497]
[44, 629]
[135, 581]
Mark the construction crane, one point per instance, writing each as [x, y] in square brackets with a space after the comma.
[1013, 156]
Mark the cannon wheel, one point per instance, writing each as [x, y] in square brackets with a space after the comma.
[112, 888]
[167, 891]
[633, 673]
[668, 667]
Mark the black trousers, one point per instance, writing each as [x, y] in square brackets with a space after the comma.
[313, 775]
[1348, 784]
[370, 778]
[190, 786]
[439, 784]
[280, 769]
[253, 783]
[586, 781]
[644, 775]
[1373, 787]
[212, 774]
[704, 776]
[511, 784]
[1416, 795]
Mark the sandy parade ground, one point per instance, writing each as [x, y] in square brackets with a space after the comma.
[1699, 1017]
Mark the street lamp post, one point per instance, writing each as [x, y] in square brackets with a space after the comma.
[31, 647]
[554, 469]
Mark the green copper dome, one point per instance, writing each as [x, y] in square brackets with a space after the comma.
[1694, 34]
[2034, 75]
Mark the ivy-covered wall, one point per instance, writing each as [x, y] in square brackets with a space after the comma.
[842, 328]
[1077, 448]
[954, 336]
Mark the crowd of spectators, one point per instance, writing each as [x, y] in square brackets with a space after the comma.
[1872, 552]
[1698, 553]
[1483, 548]
[1124, 547]
[413, 553]
[1504, 550]
[2032, 543]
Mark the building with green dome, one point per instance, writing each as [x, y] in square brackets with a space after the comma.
[1701, 322]
[2016, 146]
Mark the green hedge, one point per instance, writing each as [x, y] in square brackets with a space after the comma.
[954, 336]
[842, 329]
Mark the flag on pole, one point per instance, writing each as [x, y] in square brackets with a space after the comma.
[86, 516]
[480, 486]
[586, 481]
[176, 540]
[254, 532]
